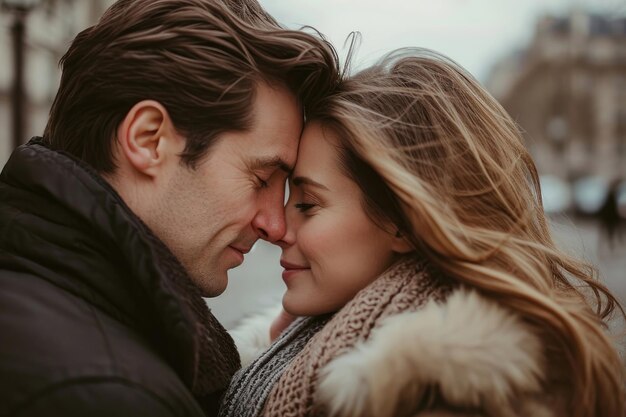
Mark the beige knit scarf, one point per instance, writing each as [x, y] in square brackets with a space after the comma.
[406, 286]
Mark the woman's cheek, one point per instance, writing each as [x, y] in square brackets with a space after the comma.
[317, 241]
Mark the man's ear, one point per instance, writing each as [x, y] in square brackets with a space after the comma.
[400, 244]
[145, 136]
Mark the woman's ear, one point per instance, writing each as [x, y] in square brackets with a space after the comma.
[143, 134]
[400, 244]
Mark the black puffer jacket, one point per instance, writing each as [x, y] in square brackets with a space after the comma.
[97, 317]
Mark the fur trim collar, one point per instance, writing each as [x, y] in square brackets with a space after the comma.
[476, 354]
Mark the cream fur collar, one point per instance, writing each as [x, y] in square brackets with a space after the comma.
[480, 356]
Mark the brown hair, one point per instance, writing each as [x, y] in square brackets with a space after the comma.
[201, 59]
[451, 171]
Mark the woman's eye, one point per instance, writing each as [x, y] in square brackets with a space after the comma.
[303, 206]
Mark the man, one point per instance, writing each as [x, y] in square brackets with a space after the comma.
[164, 159]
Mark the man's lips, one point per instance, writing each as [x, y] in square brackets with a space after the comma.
[242, 250]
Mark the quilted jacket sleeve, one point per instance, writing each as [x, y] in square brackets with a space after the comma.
[98, 398]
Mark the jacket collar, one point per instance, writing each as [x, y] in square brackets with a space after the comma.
[191, 338]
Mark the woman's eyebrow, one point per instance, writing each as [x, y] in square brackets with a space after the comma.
[299, 180]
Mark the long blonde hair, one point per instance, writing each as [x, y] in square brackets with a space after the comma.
[465, 191]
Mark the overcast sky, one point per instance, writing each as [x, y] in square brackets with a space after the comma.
[475, 33]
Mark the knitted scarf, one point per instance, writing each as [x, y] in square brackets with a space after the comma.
[251, 386]
[282, 382]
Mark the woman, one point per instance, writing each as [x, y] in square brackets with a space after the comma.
[418, 251]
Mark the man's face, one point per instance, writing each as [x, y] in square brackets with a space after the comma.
[212, 215]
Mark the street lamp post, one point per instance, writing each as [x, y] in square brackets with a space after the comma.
[19, 9]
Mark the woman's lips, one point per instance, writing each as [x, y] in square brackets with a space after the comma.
[291, 269]
[289, 265]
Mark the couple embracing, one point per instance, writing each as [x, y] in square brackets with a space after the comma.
[421, 276]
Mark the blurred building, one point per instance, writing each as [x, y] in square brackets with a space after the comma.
[567, 91]
[50, 27]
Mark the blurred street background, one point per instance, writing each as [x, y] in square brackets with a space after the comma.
[557, 66]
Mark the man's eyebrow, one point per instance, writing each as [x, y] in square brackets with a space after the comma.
[297, 181]
[272, 162]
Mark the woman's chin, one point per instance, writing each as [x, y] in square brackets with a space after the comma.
[292, 306]
[304, 305]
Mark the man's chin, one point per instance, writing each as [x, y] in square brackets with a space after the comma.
[212, 286]
[213, 294]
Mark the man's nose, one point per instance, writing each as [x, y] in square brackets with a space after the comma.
[269, 222]
[291, 226]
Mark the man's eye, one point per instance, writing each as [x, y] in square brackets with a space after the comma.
[303, 206]
[262, 182]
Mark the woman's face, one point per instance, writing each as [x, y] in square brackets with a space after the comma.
[332, 249]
